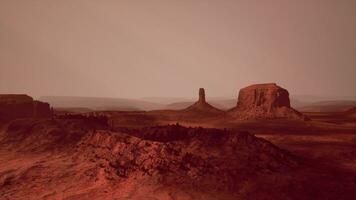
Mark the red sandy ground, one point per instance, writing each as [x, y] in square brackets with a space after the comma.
[68, 159]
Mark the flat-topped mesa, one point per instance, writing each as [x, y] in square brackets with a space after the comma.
[15, 98]
[264, 101]
[269, 96]
[201, 95]
[14, 106]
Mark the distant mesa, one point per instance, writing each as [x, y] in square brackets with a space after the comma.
[15, 98]
[202, 106]
[329, 106]
[264, 101]
[13, 106]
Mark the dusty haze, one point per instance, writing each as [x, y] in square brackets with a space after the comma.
[171, 48]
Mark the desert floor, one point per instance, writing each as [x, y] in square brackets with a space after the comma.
[326, 145]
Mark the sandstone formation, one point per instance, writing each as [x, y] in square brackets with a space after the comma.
[13, 106]
[201, 95]
[264, 101]
[201, 106]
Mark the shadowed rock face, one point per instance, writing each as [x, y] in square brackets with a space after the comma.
[15, 98]
[14, 106]
[264, 101]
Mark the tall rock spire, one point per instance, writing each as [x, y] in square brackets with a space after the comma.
[202, 107]
[201, 95]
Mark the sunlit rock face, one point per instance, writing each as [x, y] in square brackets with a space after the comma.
[264, 101]
[268, 96]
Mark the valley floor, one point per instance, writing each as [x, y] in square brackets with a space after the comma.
[325, 147]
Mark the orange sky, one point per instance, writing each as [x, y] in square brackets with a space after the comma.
[170, 48]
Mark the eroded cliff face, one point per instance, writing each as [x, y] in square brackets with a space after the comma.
[264, 101]
[13, 106]
[267, 96]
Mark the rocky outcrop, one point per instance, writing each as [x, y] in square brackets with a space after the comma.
[172, 156]
[264, 101]
[201, 106]
[209, 158]
[13, 106]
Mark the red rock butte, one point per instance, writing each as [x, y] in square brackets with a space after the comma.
[14, 106]
[264, 101]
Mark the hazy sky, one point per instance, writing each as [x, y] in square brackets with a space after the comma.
[171, 48]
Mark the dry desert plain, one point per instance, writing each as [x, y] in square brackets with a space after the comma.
[261, 149]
